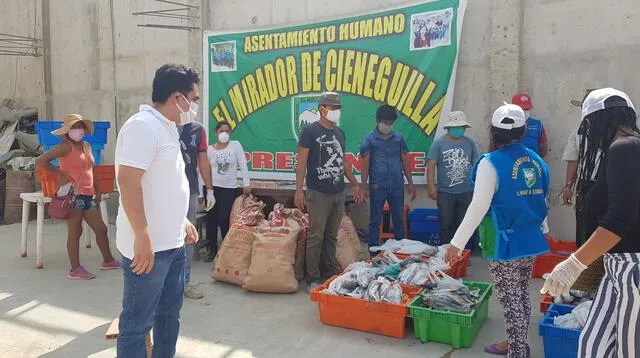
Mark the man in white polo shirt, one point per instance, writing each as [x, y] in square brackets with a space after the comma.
[152, 217]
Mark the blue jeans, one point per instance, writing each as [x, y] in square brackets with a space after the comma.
[395, 197]
[191, 216]
[152, 301]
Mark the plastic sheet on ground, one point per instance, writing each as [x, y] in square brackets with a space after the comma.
[576, 319]
[410, 247]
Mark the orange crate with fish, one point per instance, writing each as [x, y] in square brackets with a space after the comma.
[360, 314]
[457, 270]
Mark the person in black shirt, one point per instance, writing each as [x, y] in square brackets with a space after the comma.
[321, 159]
[609, 134]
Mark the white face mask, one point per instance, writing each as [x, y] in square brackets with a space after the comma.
[333, 115]
[527, 113]
[190, 115]
[223, 137]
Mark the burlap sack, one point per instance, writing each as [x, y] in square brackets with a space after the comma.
[234, 257]
[301, 249]
[241, 202]
[272, 261]
[348, 249]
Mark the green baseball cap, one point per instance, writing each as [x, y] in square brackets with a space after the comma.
[329, 99]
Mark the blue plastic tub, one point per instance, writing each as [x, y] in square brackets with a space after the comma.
[96, 150]
[45, 137]
[429, 238]
[424, 221]
[558, 342]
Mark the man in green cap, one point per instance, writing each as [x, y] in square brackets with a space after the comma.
[321, 160]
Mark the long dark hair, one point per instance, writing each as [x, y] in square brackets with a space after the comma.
[598, 130]
[502, 137]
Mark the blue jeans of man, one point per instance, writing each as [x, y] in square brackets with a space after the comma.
[191, 216]
[152, 300]
[378, 195]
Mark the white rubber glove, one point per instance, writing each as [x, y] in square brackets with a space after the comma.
[563, 276]
[211, 200]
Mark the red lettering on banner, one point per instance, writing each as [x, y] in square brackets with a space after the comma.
[262, 160]
[356, 162]
[284, 161]
[247, 157]
[416, 162]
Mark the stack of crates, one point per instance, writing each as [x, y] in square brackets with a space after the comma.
[424, 226]
[97, 140]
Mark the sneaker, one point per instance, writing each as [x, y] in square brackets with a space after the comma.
[193, 292]
[79, 273]
[312, 285]
[111, 265]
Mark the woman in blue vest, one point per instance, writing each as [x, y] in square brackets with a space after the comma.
[510, 184]
[610, 137]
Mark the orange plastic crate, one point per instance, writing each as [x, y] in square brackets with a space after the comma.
[545, 263]
[49, 182]
[376, 317]
[105, 176]
[557, 245]
[545, 302]
[460, 267]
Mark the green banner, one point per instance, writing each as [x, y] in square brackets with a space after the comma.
[266, 83]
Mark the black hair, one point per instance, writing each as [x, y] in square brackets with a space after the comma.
[220, 124]
[172, 78]
[386, 113]
[597, 131]
[502, 137]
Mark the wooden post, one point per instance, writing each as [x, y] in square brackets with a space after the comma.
[112, 333]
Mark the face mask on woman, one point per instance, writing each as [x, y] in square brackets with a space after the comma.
[76, 134]
[223, 137]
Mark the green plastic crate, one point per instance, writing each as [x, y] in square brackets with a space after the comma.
[456, 329]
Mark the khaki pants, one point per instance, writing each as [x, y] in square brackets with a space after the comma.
[325, 215]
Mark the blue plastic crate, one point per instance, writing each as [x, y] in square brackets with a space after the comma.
[45, 137]
[558, 342]
[429, 238]
[96, 150]
[424, 221]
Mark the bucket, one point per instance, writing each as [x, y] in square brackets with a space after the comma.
[17, 182]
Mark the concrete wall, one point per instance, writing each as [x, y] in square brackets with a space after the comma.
[102, 64]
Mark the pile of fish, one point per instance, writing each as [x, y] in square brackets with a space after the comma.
[574, 298]
[576, 319]
[379, 279]
[362, 282]
[410, 247]
[451, 295]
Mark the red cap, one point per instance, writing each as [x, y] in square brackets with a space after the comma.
[523, 100]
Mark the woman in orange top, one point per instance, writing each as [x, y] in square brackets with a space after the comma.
[76, 167]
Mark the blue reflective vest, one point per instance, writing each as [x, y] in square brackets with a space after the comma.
[518, 207]
[532, 136]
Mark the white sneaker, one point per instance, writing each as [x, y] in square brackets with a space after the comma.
[193, 292]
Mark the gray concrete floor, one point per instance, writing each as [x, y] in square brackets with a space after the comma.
[43, 314]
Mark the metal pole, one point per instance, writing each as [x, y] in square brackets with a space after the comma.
[46, 51]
